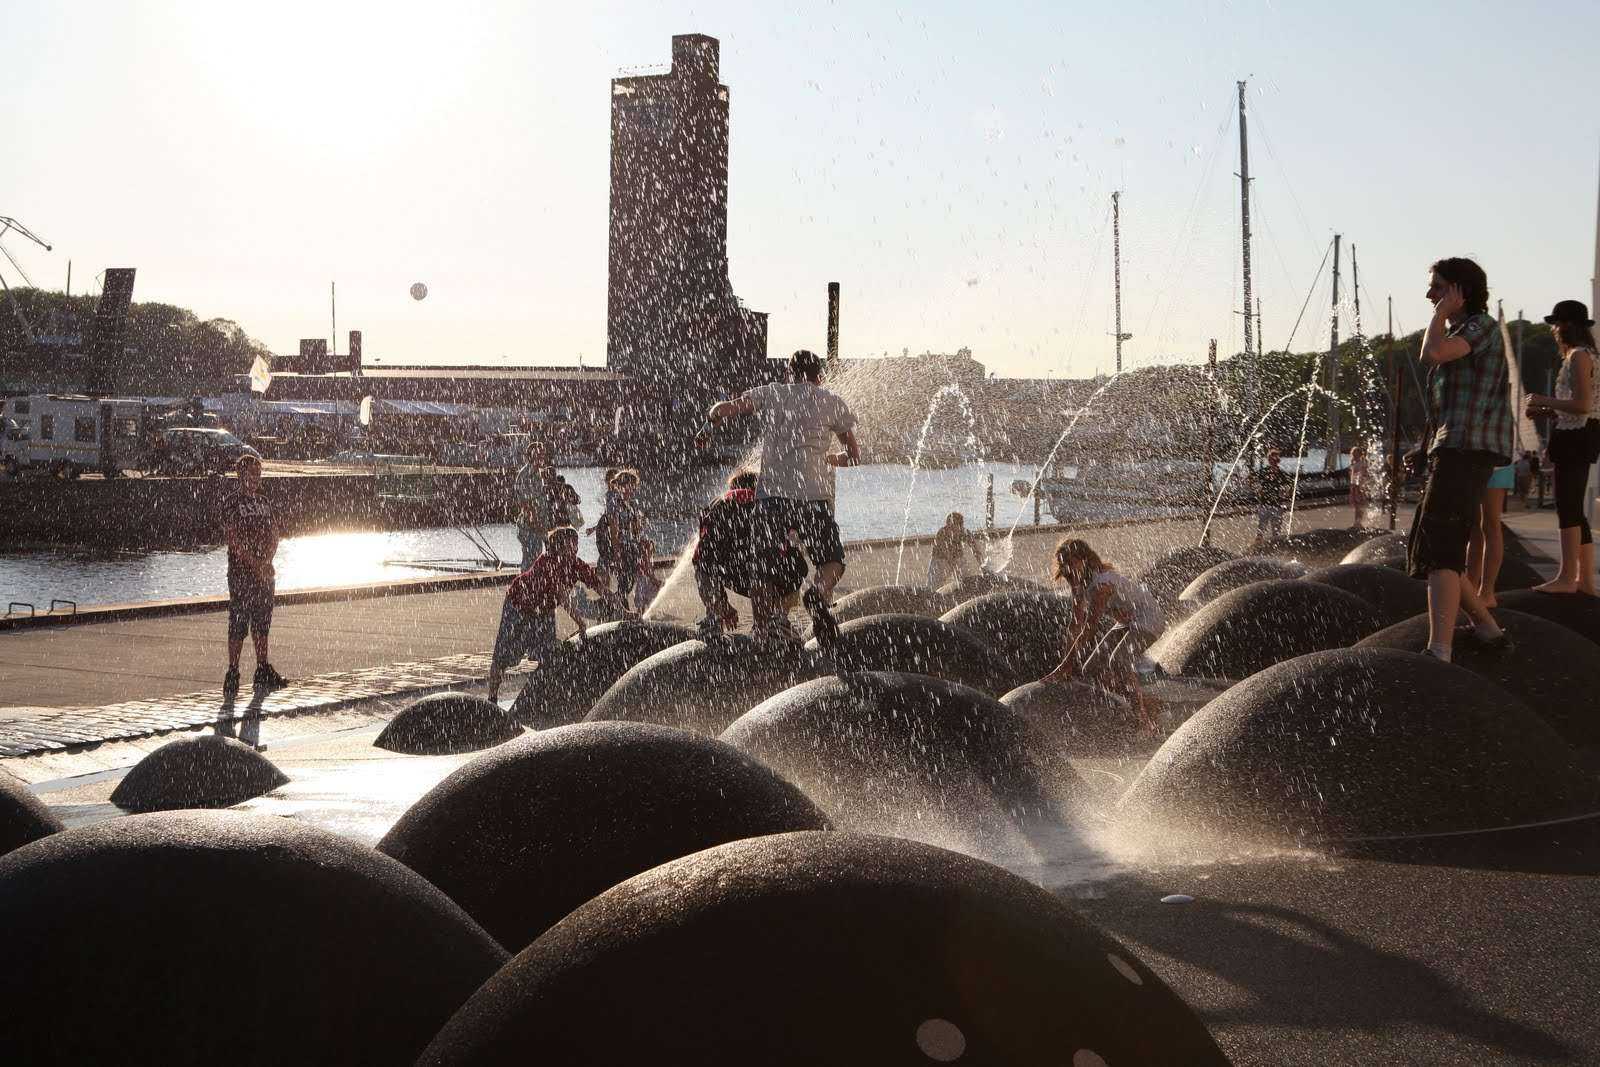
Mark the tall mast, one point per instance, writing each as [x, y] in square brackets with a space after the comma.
[1244, 242]
[1594, 281]
[1116, 269]
[1261, 335]
[1331, 463]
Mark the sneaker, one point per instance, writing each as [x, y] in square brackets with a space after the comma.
[230, 683]
[824, 627]
[778, 633]
[267, 677]
[1499, 645]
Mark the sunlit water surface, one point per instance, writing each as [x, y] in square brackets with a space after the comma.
[871, 504]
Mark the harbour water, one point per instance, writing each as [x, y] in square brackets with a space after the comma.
[871, 502]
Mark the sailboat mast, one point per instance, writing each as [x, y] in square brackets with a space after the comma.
[1331, 463]
[1116, 268]
[1244, 238]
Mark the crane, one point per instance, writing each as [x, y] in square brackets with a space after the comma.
[7, 224]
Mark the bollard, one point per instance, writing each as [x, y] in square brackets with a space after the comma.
[1036, 506]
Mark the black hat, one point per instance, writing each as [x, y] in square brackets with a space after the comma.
[1570, 311]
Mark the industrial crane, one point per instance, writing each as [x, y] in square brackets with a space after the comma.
[7, 224]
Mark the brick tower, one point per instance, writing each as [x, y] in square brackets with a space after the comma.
[673, 322]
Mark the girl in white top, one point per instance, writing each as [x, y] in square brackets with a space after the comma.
[1099, 592]
[1574, 441]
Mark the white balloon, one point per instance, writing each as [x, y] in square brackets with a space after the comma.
[418, 291]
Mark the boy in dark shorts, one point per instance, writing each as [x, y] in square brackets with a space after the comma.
[528, 617]
[731, 554]
[247, 525]
[800, 420]
[1469, 434]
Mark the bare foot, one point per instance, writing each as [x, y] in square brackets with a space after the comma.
[1488, 600]
[1557, 585]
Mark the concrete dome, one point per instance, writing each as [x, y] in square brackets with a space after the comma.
[1364, 742]
[1324, 543]
[704, 688]
[968, 586]
[1552, 670]
[1172, 572]
[1260, 624]
[443, 724]
[1233, 574]
[222, 937]
[23, 817]
[527, 832]
[811, 948]
[1023, 625]
[200, 771]
[890, 599]
[1081, 720]
[563, 690]
[888, 752]
[918, 645]
[1385, 550]
[1388, 591]
[1578, 613]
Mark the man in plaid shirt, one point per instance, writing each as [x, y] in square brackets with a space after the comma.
[1469, 434]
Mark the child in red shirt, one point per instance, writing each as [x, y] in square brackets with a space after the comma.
[528, 618]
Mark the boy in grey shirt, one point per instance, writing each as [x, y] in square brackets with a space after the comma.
[800, 420]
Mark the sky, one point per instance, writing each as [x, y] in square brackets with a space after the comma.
[950, 164]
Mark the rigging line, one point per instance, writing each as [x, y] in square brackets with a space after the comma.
[1287, 344]
[1266, 139]
[1272, 236]
[7, 253]
[1186, 233]
[1410, 365]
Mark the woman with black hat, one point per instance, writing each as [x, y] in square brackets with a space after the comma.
[1574, 442]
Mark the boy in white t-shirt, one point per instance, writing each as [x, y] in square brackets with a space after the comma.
[800, 421]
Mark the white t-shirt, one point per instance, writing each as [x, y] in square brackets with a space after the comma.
[799, 421]
[1130, 598]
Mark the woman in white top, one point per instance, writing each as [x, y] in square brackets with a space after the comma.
[1099, 592]
[1574, 442]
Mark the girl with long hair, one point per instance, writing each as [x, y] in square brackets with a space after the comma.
[1099, 593]
[1574, 443]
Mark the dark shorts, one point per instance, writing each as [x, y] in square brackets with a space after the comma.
[249, 605]
[811, 520]
[523, 637]
[1448, 511]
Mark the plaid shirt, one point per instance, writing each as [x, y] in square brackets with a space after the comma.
[1469, 399]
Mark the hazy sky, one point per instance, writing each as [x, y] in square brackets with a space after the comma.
[950, 164]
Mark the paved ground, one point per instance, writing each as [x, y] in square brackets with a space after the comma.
[68, 686]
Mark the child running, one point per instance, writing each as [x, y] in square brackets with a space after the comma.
[528, 617]
[1099, 591]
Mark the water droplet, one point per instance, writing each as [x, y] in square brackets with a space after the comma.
[1177, 898]
[941, 1040]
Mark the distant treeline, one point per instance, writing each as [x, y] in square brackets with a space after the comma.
[167, 349]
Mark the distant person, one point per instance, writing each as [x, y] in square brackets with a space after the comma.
[602, 548]
[1271, 484]
[528, 616]
[1360, 486]
[1524, 477]
[252, 537]
[621, 532]
[1469, 435]
[733, 551]
[795, 493]
[945, 561]
[646, 587]
[1113, 659]
[1537, 467]
[531, 502]
[1574, 443]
